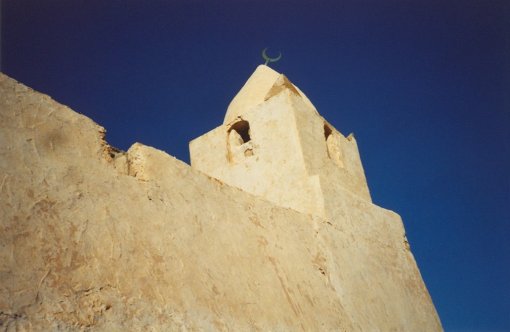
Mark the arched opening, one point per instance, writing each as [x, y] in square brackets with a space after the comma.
[327, 135]
[243, 129]
[239, 143]
[327, 131]
[333, 146]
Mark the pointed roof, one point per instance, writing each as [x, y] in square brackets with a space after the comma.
[263, 84]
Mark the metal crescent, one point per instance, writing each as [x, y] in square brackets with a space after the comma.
[268, 59]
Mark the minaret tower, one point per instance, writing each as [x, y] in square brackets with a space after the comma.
[274, 144]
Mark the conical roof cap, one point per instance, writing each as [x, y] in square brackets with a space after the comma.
[262, 84]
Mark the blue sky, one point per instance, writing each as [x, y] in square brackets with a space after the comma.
[424, 85]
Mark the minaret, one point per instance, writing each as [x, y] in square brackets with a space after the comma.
[274, 144]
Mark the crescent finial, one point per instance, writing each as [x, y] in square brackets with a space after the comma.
[268, 59]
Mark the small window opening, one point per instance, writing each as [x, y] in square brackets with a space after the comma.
[333, 147]
[327, 131]
[243, 129]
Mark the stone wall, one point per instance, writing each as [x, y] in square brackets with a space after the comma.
[93, 238]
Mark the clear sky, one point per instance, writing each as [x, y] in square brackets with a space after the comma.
[424, 85]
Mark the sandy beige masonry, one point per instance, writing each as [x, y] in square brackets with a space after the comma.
[94, 238]
[275, 145]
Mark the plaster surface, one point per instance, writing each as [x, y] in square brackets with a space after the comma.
[92, 238]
